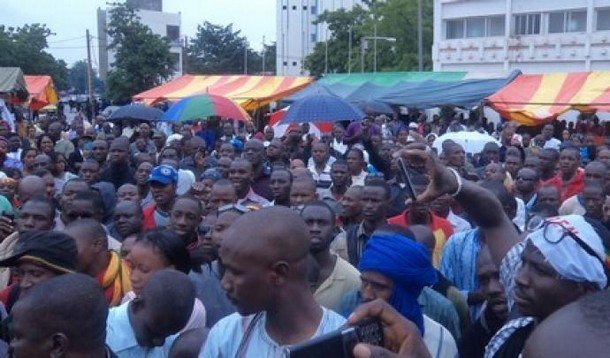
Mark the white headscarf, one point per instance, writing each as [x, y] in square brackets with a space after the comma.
[566, 255]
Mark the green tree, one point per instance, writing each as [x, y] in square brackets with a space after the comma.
[143, 59]
[25, 46]
[391, 18]
[78, 76]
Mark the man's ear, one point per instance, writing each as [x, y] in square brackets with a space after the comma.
[59, 345]
[279, 272]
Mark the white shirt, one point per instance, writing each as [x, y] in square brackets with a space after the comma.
[552, 143]
[519, 219]
[225, 337]
[438, 340]
[186, 178]
[359, 179]
[458, 223]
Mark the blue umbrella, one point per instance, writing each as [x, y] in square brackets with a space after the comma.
[375, 107]
[321, 108]
[136, 112]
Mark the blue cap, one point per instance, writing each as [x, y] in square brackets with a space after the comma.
[164, 174]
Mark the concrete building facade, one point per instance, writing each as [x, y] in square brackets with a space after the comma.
[151, 14]
[297, 34]
[535, 36]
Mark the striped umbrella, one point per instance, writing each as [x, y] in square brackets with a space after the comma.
[202, 106]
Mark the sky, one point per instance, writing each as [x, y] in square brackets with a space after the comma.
[69, 19]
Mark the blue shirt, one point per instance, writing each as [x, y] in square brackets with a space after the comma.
[122, 340]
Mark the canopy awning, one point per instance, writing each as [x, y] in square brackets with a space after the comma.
[42, 91]
[411, 89]
[13, 84]
[535, 99]
[251, 92]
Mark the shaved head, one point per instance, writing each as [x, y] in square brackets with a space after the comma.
[30, 186]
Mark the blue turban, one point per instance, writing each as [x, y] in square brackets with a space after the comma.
[408, 264]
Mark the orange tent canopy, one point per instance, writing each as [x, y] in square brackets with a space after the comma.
[250, 92]
[42, 91]
[535, 99]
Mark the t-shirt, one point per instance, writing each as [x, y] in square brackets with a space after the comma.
[226, 336]
[342, 280]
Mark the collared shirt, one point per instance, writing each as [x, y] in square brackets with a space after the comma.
[440, 309]
[323, 179]
[342, 279]
[122, 340]
[341, 246]
[572, 206]
[458, 223]
[253, 198]
[359, 179]
[574, 186]
[227, 335]
[458, 263]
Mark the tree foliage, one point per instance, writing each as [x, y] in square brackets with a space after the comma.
[218, 49]
[25, 46]
[143, 59]
[78, 78]
[391, 18]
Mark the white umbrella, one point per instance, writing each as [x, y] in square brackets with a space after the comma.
[472, 142]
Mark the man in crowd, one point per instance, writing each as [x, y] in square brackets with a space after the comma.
[549, 141]
[574, 205]
[272, 297]
[351, 207]
[281, 184]
[223, 193]
[95, 260]
[340, 181]
[254, 152]
[89, 171]
[526, 184]
[337, 277]
[320, 165]
[184, 219]
[99, 152]
[548, 163]
[119, 171]
[570, 179]
[163, 181]
[127, 220]
[302, 191]
[241, 174]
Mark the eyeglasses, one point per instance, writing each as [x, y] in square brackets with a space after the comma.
[566, 232]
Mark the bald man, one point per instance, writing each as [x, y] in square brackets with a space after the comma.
[30, 186]
[266, 278]
[96, 260]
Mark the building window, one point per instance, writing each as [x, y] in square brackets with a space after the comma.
[527, 24]
[603, 19]
[173, 33]
[475, 27]
[305, 7]
[284, 7]
[285, 63]
[495, 26]
[294, 7]
[314, 38]
[567, 21]
[313, 9]
[175, 60]
[294, 63]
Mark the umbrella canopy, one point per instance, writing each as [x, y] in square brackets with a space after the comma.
[321, 108]
[136, 112]
[472, 142]
[205, 105]
[279, 129]
[109, 110]
[375, 107]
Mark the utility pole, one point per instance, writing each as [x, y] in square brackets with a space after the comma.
[349, 52]
[185, 55]
[326, 52]
[420, 45]
[245, 56]
[263, 55]
[89, 72]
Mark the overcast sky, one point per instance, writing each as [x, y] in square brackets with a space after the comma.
[69, 19]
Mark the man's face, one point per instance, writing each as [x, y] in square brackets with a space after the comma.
[162, 194]
[568, 162]
[539, 289]
[143, 172]
[595, 172]
[547, 132]
[100, 151]
[374, 203]
[604, 156]
[319, 153]
[547, 161]
[222, 223]
[28, 159]
[222, 195]
[355, 163]
[493, 172]
[42, 161]
[456, 156]
[351, 204]
[169, 153]
[128, 193]
[339, 174]
[280, 184]
[30, 275]
[376, 285]
[549, 196]
[526, 140]
[14, 143]
[127, 220]
[532, 163]
[512, 164]
[55, 131]
[246, 280]
[227, 150]
[525, 181]
[269, 133]
[302, 193]
[144, 130]
[27, 341]
[240, 173]
[118, 153]
[34, 216]
[70, 191]
[49, 182]
[488, 277]
[81, 209]
[90, 172]
[274, 150]
[254, 152]
[593, 197]
[184, 217]
[321, 227]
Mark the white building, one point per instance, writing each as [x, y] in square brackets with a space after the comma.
[535, 36]
[296, 33]
[151, 14]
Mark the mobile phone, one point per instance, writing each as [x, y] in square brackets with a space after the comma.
[10, 216]
[406, 179]
[341, 342]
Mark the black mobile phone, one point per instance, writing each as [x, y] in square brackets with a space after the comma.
[404, 172]
[341, 342]
[10, 216]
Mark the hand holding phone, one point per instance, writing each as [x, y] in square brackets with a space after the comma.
[406, 179]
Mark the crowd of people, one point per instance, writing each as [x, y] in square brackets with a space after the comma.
[215, 239]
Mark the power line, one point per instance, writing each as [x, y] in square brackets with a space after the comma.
[66, 40]
[66, 47]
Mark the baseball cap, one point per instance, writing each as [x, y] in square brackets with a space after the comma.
[412, 125]
[163, 174]
[53, 250]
